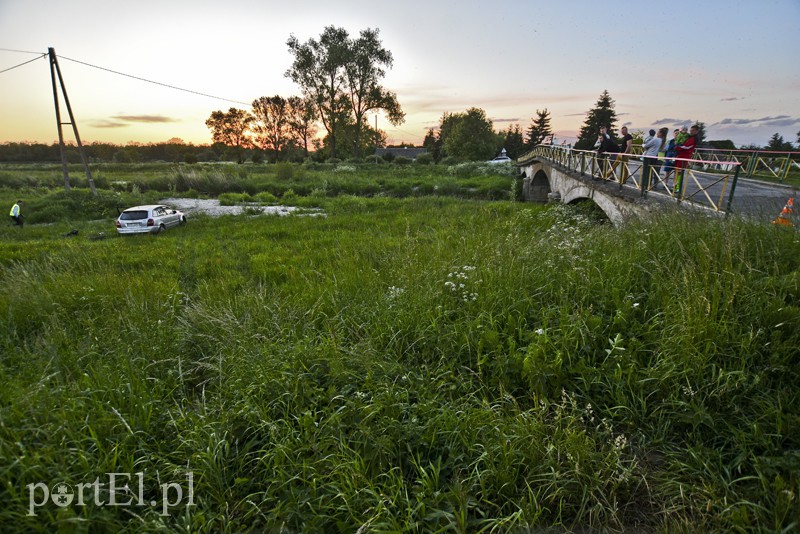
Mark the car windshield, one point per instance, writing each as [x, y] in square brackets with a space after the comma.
[133, 215]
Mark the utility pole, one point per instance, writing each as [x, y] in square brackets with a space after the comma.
[56, 70]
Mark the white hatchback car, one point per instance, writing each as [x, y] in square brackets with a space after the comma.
[150, 219]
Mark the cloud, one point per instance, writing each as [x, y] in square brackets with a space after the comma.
[778, 120]
[123, 121]
[505, 120]
[144, 118]
[661, 122]
[108, 124]
[731, 99]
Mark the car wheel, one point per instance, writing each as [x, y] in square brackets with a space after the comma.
[161, 228]
[183, 219]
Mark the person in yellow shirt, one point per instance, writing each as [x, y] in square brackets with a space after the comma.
[15, 213]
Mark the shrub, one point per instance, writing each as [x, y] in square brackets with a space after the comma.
[402, 160]
[284, 170]
[424, 159]
[288, 196]
[450, 160]
[265, 197]
[232, 199]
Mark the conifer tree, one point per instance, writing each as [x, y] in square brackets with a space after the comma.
[539, 129]
[602, 114]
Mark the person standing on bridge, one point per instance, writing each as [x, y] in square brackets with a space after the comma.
[662, 136]
[605, 145]
[625, 147]
[651, 146]
[669, 153]
[685, 151]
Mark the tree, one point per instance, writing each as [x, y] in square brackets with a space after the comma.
[364, 71]
[231, 129]
[318, 69]
[723, 144]
[540, 129]
[349, 146]
[777, 144]
[431, 144]
[602, 114]
[701, 132]
[513, 141]
[302, 122]
[470, 135]
[798, 139]
[271, 124]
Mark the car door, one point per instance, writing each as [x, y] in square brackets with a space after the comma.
[159, 216]
[173, 216]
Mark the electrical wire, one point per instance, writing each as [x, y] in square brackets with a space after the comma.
[154, 82]
[21, 51]
[21, 64]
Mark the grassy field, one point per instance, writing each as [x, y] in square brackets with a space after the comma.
[416, 364]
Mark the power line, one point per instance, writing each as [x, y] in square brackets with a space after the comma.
[154, 82]
[21, 51]
[21, 64]
[417, 136]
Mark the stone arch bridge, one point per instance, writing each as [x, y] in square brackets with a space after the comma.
[633, 188]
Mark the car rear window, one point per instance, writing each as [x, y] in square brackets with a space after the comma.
[133, 215]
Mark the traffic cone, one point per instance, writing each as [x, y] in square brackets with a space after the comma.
[786, 213]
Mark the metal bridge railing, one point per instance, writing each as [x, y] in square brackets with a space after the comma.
[772, 165]
[705, 183]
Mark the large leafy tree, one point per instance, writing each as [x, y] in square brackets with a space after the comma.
[342, 76]
[602, 114]
[319, 70]
[349, 145]
[364, 71]
[540, 129]
[302, 122]
[271, 124]
[469, 135]
[231, 128]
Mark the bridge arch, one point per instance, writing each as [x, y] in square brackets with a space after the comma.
[543, 183]
[578, 193]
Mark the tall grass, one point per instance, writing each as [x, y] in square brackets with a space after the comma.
[422, 364]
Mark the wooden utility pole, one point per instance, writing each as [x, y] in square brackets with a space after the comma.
[56, 70]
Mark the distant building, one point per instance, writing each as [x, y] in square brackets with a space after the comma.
[405, 152]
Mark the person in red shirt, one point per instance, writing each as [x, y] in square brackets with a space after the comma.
[685, 151]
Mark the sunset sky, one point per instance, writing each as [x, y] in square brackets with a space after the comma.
[732, 64]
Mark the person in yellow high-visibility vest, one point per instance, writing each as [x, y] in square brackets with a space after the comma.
[15, 213]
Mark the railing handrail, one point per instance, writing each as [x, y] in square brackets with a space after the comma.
[690, 160]
[645, 177]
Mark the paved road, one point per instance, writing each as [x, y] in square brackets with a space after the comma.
[761, 200]
[754, 199]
